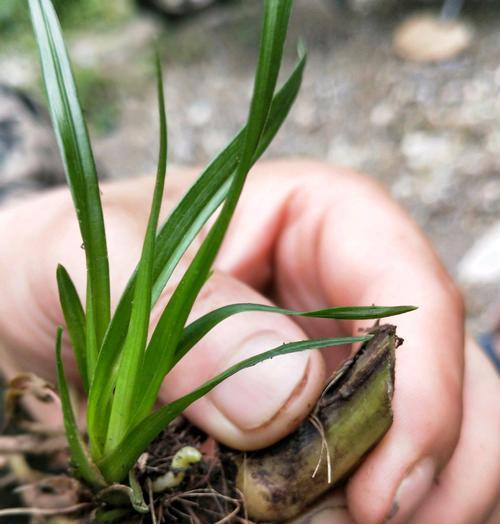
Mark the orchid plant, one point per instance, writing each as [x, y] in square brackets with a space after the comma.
[121, 364]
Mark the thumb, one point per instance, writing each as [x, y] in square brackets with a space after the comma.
[259, 405]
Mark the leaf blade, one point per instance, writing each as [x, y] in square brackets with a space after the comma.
[130, 366]
[74, 317]
[180, 229]
[161, 349]
[116, 465]
[195, 331]
[74, 144]
[79, 454]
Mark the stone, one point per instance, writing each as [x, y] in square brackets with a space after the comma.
[481, 264]
[427, 38]
[175, 7]
[199, 113]
[428, 150]
[29, 158]
[382, 115]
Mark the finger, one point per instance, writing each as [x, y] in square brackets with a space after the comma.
[331, 510]
[495, 515]
[261, 404]
[320, 237]
[467, 490]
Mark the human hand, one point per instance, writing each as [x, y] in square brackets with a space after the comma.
[307, 236]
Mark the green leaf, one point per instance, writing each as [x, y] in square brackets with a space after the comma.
[79, 453]
[75, 320]
[74, 144]
[161, 349]
[177, 233]
[195, 331]
[130, 367]
[111, 515]
[92, 348]
[116, 465]
[136, 497]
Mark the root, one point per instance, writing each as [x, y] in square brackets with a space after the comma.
[32, 444]
[205, 492]
[44, 512]
[325, 449]
[151, 504]
[8, 480]
[188, 501]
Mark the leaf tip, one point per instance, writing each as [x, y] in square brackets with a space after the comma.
[301, 49]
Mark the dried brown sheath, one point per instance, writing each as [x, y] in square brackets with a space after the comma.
[354, 412]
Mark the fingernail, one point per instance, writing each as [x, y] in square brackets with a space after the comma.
[412, 491]
[253, 397]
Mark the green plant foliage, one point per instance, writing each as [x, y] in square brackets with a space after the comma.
[74, 316]
[175, 236]
[120, 370]
[115, 464]
[131, 362]
[79, 453]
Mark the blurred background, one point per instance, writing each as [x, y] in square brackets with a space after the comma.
[414, 106]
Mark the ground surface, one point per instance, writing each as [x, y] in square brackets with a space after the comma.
[430, 133]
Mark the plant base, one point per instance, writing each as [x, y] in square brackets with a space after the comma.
[274, 484]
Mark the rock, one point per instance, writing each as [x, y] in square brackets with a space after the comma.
[114, 49]
[17, 69]
[426, 38]
[481, 264]
[175, 8]
[346, 153]
[369, 6]
[29, 158]
[427, 151]
[199, 113]
[382, 115]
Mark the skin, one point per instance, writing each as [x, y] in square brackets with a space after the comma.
[305, 236]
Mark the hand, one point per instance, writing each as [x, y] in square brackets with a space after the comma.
[307, 236]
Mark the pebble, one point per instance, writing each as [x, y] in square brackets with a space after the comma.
[426, 38]
[199, 113]
[423, 150]
[382, 115]
[17, 70]
[481, 264]
[29, 157]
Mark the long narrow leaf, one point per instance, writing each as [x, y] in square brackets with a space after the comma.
[116, 465]
[75, 320]
[92, 348]
[161, 349]
[131, 359]
[195, 331]
[79, 453]
[74, 144]
[177, 233]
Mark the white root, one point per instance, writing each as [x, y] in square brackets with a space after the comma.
[324, 449]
